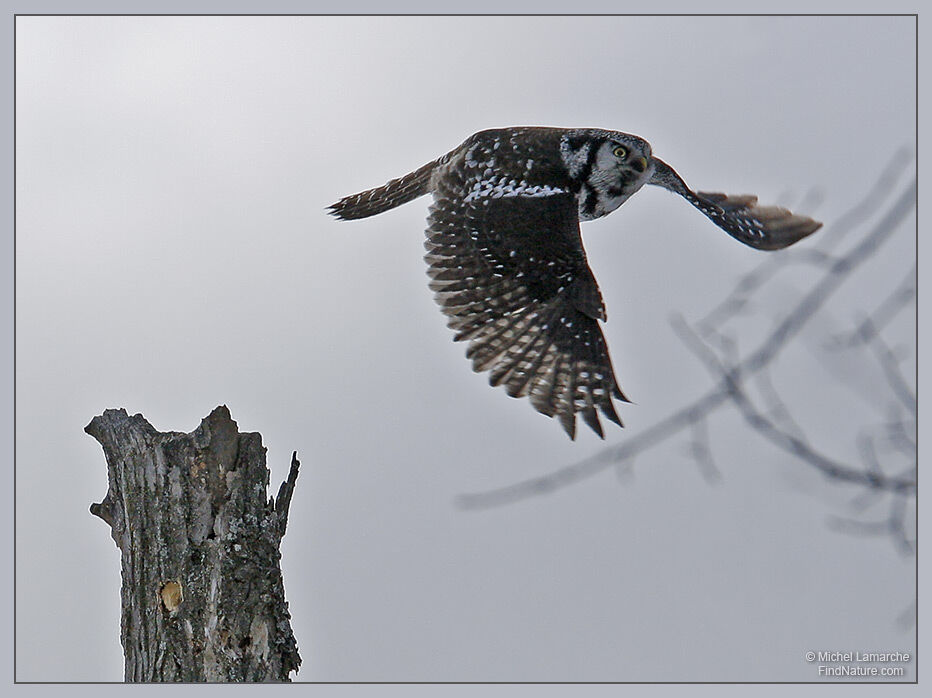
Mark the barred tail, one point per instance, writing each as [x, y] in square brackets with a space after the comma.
[388, 196]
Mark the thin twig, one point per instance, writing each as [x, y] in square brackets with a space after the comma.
[891, 370]
[700, 449]
[776, 406]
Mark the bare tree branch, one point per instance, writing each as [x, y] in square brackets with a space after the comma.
[891, 369]
[893, 526]
[701, 450]
[863, 210]
[900, 434]
[739, 299]
[888, 309]
[791, 443]
[776, 406]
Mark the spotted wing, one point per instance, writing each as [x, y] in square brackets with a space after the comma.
[509, 270]
[761, 227]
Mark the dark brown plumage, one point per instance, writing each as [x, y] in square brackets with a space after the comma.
[506, 259]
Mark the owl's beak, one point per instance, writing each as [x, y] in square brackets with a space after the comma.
[640, 164]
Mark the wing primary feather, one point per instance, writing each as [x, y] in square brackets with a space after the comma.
[566, 406]
[525, 339]
[608, 410]
[537, 347]
[591, 417]
[541, 385]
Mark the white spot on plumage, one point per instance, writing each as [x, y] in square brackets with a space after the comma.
[502, 187]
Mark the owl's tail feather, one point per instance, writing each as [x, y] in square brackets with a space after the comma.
[388, 196]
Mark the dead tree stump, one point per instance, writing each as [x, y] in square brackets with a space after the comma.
[202, 595]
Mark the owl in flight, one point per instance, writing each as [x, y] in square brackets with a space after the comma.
[506, 260]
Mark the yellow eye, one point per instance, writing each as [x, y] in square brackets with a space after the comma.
[619, 151]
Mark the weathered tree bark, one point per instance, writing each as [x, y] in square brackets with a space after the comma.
[203, 597]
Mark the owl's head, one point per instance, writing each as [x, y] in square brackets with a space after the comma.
[609, 166]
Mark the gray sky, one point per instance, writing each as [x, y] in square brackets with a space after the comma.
[173, 254]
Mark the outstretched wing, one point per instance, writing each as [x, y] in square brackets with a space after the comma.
[761, 227]
[509, 270]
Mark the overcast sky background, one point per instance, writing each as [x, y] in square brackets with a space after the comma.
[173, 254]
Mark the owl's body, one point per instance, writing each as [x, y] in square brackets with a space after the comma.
[506, 258]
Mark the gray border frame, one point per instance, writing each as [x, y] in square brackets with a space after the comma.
[398, 7]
